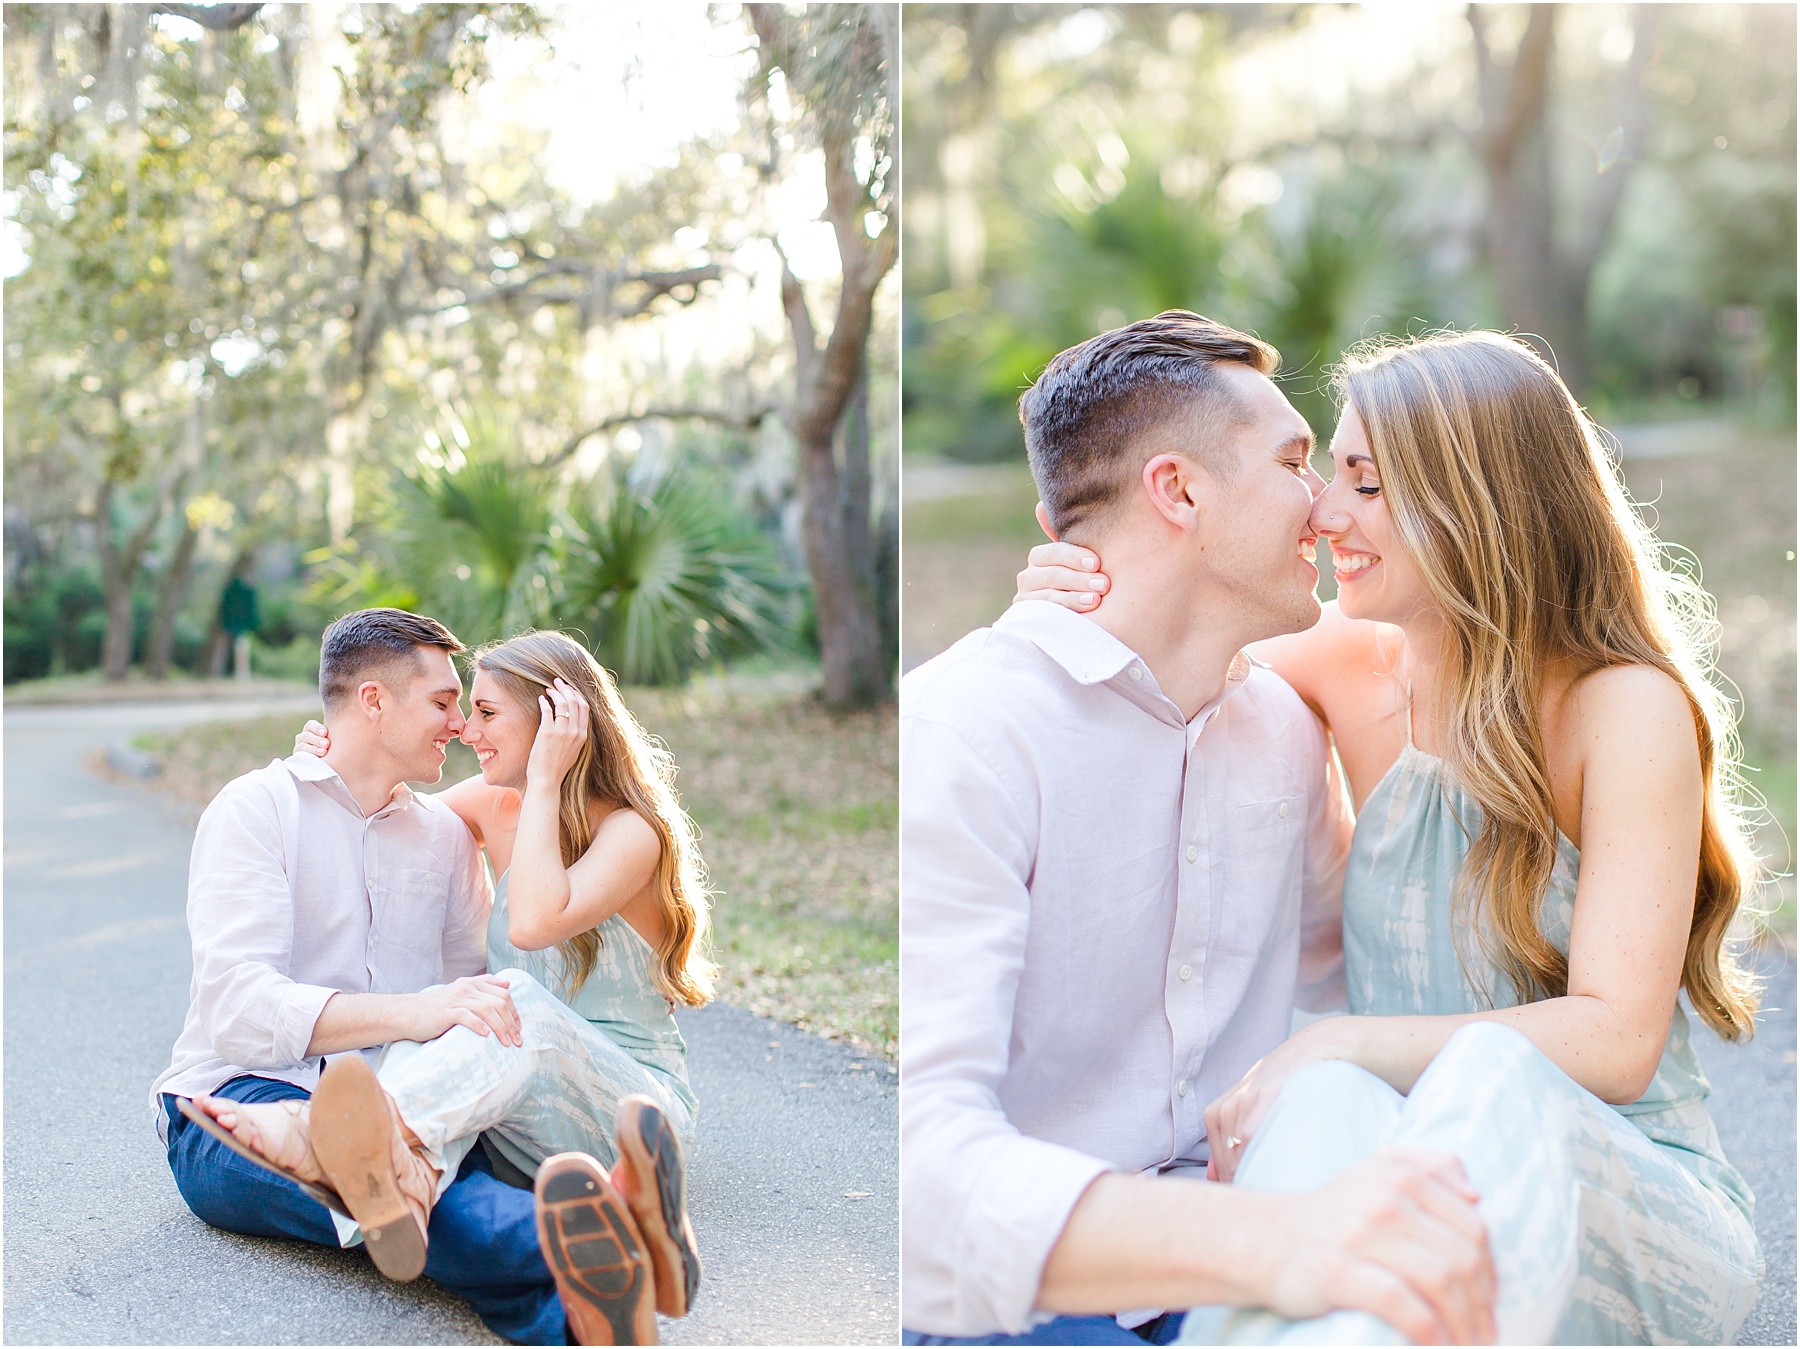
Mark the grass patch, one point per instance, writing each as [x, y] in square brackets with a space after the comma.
[961, 556]
[1733, 510]
[90, 686]
[797, 809]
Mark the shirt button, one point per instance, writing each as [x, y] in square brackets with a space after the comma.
[1137, 672]
[1186, 972]
[1181, 1087]
[1281, 810]
[1193, 853]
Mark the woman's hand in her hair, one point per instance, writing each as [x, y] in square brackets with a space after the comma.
[1065, 573]
[313, 739]
[562, 731]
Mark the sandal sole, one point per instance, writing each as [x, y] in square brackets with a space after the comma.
[595, 1251]
[352, 1137]
[655, 1154]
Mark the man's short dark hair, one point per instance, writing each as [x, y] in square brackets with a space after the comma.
[1086, 416]
[373, 644]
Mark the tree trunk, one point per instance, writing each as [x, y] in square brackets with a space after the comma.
[119, 565]
[170, 591]
[857, 665]
[854, 498]
[1521, 219]
[1543, 286]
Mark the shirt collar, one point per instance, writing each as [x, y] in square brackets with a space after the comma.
[1092, 655]
[1237, 674]
[1089, 653]
[311, 768]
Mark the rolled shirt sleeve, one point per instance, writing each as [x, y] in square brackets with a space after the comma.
[240, 916]
[1320, 987]
[982, 1203]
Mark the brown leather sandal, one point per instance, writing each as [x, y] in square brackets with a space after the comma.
[356, 1136]
[194, 1115]
[595, 1252]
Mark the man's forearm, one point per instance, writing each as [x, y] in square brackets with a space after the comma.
[362, 1021]
[1397, 1235]
[1140, 1241]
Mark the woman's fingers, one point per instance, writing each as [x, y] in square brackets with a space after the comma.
[1070, 555]
[1077, 589]
[578, 710]
[1229, 1122]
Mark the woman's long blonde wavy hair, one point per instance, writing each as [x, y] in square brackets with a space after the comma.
[620, 764]
[1505, 499]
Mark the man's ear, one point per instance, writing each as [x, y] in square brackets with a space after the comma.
[369, 698]
[1043, 516]
[1173, 485]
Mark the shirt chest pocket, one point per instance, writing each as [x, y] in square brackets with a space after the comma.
[1281, 813]
[1266, 849]
[410, 916]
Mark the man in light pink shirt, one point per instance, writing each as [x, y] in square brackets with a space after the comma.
[1121, 848]
[333, 911]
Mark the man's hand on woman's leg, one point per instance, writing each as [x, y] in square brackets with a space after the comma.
[1397, 1236]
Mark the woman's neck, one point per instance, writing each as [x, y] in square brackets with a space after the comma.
[1421, 671]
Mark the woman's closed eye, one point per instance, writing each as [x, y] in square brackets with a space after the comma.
[1368, 489]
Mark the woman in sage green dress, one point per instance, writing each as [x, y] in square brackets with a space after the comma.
[1549, 849]
[598, 927]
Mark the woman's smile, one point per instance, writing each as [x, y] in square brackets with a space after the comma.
[1351, 566]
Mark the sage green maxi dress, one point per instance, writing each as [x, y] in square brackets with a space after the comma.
[1608, 1224]
[585, 1049]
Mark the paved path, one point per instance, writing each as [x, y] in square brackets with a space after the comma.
[794, 1180]
[1753, 1105]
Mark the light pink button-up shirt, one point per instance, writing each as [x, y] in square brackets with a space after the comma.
[391, 903]
[1104, 915]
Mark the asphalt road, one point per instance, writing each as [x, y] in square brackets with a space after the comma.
[794, 1180]
[1753, 1105]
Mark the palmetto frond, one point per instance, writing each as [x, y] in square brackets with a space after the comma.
[661, 582]
[476, 525]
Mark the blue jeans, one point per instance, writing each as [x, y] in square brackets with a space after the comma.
[1069, 1330]
[483, 1243]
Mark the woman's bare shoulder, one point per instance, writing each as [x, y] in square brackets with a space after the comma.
[622, 827]
[1620, 699]
[482, 807]
[1329, 648]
